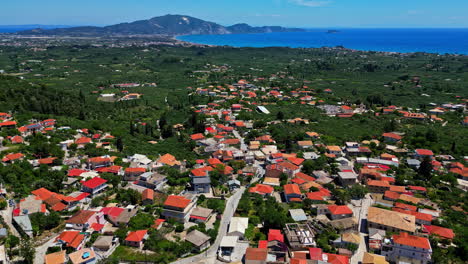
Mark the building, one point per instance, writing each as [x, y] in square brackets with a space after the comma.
[83, 219]
[407, 248]
[376, 186]
[390, 221]
[94, 186]
[238, 226]
[339, 212]
[292, 193]
[71, 239]
[347, 178]
[147, 197]
[201, 184]
[55, 258]
[136, 238]
[200, 215]
[199, 240]
[23, 225]
[261, 189]
[84, 256]
[256, 256]
[178, 208]
[373, 259]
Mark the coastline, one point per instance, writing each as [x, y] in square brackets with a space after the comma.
[232, 42]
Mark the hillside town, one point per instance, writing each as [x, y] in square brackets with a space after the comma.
[245, 199]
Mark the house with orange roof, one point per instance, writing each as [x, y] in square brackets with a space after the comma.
[59, 257]
[256, 256]
[168, 160]
[406, 247]
[98, 162]
[178, 208]
[13, 157]
[71, 239]
[334, 150]
[83, 219]
[147, 196]
[262, 189]
[17, 140]
[441, 232]
[391, 137]
[292, 193]
[312, 134]
[136, 238]
[132, 174]
[288, 168]
[197, 137]
[339, 212]
[376, 186]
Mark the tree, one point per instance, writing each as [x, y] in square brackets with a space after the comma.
[358, 191]
[280, 115]
[425, 169]
[27, 251]
[119, 144]
[141, 221]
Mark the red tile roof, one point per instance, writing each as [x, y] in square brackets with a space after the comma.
[83, 140]
[339, 209]
[292, 189]
[256, 254]
[148, 194]
[76, 172]
[412, 241]
[316, 254]
[392, 135]
[177, 201]
[417, 188]
[112, 212]
[304, 176]
[424, 152]
[13, 156]
[137, 170]
[337, 259]
[263, 244]
[198, 136]
[442, 232]
[261, 189]
[136, 236]
[275, 235]
[81, 217]
[392, 195]
[94, 182]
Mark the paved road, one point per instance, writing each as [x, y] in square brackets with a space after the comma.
[41, 250]
[361, 214]
[209, 256]
[243, 146]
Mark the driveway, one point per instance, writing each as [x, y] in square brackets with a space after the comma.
[209, 255]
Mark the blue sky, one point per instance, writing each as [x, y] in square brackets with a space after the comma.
[300, 13]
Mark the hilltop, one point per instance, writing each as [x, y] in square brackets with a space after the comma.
[169, 25]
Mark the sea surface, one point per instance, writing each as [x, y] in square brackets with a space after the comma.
[454, 41]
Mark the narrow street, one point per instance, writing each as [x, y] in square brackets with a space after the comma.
[361, 215]
[209, 256]
[41, 251]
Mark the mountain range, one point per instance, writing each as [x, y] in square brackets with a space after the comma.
[170, 25]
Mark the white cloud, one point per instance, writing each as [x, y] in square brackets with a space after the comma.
[310, 3]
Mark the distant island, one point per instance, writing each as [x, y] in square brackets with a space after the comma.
[169, 25]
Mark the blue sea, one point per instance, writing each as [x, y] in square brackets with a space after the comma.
[454, 41]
